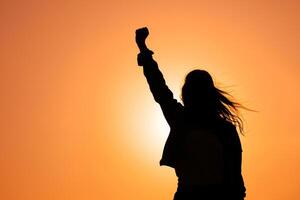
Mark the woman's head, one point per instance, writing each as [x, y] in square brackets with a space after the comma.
[200, 96]
[198, 89]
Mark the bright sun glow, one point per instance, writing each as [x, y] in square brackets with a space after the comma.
[152, 130]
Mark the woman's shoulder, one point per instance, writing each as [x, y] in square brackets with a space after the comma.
[230, 134]
[224, 124]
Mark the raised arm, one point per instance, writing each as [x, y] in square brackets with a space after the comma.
[161, 93]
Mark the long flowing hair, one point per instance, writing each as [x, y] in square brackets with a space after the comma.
[200, 93]
[228, 109]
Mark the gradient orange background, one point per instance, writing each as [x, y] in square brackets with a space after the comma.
[78, 120]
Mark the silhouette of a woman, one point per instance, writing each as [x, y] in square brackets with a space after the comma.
[203, 145]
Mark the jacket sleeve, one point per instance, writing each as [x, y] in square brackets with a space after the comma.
[160, 91]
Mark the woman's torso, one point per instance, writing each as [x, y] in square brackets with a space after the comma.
[201, 158]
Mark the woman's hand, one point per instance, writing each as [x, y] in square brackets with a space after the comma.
[140, 38]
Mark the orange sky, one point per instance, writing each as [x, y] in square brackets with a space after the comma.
[78, 120]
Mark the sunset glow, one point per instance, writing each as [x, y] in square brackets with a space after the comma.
[78, 120]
